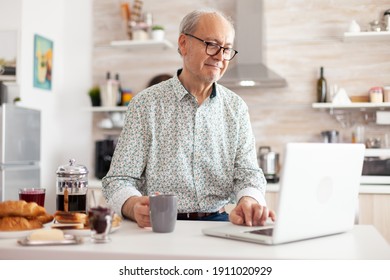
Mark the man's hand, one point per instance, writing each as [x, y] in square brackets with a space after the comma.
[249, 212]
[136, 208]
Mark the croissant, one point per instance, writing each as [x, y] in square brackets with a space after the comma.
[44, 218]
[20, 208]
[18, 223]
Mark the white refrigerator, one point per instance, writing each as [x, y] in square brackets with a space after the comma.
[20, 148]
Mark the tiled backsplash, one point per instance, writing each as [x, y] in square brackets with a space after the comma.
[300, 37]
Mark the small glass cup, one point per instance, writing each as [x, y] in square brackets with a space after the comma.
[33, 195]
[100, 222]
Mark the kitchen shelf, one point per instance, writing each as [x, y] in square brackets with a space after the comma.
[377, 152]
[133, 45]
[347, 114]
[362, 106]
[6, 78]
[107, 109]
[366, 36]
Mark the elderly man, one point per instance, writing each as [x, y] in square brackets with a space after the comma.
[191, 137]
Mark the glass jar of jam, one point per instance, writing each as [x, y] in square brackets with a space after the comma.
[376, 95]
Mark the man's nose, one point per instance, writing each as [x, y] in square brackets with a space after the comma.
[219, 55]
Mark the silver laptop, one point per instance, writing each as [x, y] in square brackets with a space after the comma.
[318, 195]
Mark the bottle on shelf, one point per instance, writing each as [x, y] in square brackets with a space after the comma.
[321, 87]
[109, 92]
[127, 95]
[119, 94]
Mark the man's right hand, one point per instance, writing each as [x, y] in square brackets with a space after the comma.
[136, 208]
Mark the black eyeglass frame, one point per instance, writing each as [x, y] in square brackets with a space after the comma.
[214, 45]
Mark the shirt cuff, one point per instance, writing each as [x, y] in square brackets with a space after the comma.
[117, 201]
[254, 193]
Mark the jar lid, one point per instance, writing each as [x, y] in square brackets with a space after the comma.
[376, 89]
[72, 169]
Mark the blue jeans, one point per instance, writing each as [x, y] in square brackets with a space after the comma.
[218, 217]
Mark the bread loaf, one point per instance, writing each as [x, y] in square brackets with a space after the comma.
[20, 208]
[68, 226]
[70, 217]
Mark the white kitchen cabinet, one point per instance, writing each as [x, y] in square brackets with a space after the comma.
[374, 209]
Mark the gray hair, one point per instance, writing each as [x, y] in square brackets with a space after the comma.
[190, 21]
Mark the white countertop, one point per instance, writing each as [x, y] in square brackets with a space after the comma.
[188, 242]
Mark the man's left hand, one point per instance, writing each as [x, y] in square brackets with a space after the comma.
[250, 213]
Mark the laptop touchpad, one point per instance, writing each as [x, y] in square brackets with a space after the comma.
[265, 231]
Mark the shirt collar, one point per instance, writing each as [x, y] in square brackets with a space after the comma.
[182, 93]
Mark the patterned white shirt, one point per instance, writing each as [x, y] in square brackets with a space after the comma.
[205, 154]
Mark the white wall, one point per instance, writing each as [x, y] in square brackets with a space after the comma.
[10, 20]
[66, 126]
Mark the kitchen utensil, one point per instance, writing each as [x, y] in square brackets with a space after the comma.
[375, 26]
[269, 163]
[330, 136]
[374, 142]
[386, 20]
[72, 186]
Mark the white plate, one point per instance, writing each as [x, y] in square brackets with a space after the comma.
[15, 234]
[19, 233]
[85, 232]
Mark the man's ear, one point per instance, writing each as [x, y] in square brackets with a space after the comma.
[182, 43]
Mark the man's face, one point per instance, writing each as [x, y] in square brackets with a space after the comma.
[206, 68]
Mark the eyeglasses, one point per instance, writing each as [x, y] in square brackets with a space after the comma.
[214, 49]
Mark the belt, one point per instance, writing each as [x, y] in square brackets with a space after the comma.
[197, 215]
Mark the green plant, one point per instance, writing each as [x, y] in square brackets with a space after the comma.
[94, 94]
[157, 27]
[17, 99]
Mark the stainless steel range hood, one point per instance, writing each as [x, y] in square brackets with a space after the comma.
[248, 68]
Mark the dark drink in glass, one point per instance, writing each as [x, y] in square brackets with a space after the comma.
[100, 221]
[76, 202]
[36, 195]
[98, 218]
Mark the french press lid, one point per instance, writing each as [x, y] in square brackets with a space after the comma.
[72, 169]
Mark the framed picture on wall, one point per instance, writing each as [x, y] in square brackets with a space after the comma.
[43, 62]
